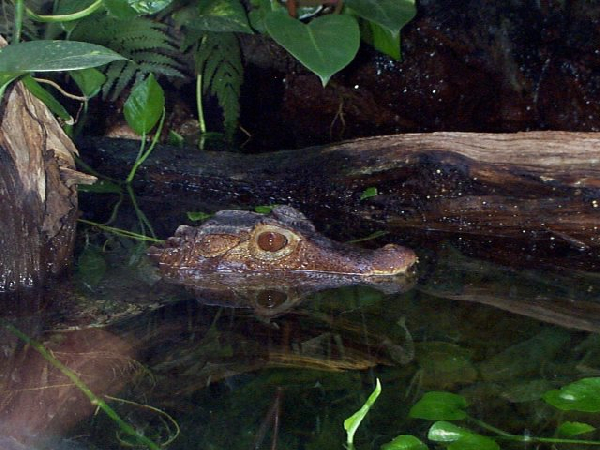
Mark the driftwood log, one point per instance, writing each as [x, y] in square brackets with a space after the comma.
[533, 186]
[38, 205]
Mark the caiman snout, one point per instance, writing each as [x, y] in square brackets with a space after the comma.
[392, 259]
[283, 241]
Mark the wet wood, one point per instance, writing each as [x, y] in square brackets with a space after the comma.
[538, 185]
[38, 194]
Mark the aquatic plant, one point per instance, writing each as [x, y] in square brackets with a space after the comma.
[446, 408]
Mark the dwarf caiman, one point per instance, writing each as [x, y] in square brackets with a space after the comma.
[242, 251]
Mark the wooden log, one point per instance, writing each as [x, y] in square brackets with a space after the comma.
[38, 194]
[537, 185]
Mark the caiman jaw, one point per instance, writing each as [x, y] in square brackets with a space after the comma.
[283, 242]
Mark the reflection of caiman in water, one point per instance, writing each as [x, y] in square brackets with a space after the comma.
[270, 262]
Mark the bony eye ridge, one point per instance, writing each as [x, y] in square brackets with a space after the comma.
[271, 241]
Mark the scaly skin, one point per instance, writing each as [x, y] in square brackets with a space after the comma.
[284, 241]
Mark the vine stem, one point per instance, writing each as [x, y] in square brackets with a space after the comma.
[19, 10]
[94, 399]
[529, 439]
[65, 17]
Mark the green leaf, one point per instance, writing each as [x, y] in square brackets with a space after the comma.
[460, 438]
[145, 106]
[368, 192]
[404, 442]
[352, 423]
[47, 98]
[120, 9]
[444, 364]
[196, 216]
[54, 56]
[89, 81]
[146, 7]
[325, 45]
[443, 431]
[5, 80]
[582, 395]
[175, 139]
[221, 15]
[385, 41]
[574, 428]
[439, 405]
[264, 209]
[389, 14]
[91, 266]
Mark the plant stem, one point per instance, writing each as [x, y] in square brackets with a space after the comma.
[65, 17]
[94, 399]
[19, 9]
[143, 153]
[488, 427]
[529, 439]
[120, 231]
[201, 122]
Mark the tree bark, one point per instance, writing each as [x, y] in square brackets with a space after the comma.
[38, 193]
[538, 185]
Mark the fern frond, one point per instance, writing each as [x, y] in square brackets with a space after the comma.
[146, 43]
[218, 60]
[124, 79]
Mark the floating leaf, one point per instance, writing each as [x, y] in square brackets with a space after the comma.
[445, 364]
[368, 192]
[145, 106]
[443, 431]
[439, 405]
[54, 56]
[582, 395]
[404, 442]
[574, 428]
[525, 357]
[352, 423]
[325, 45]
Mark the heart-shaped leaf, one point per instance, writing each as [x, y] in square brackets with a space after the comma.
[581, 395]
[389, 14]
[439, 405]
[325, 46]
[145, 106]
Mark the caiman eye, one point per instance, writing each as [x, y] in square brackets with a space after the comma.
[270, 241]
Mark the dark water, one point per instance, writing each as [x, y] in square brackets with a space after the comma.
[213, 377]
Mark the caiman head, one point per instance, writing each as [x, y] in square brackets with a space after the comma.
[271, 262]
[282, 241]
